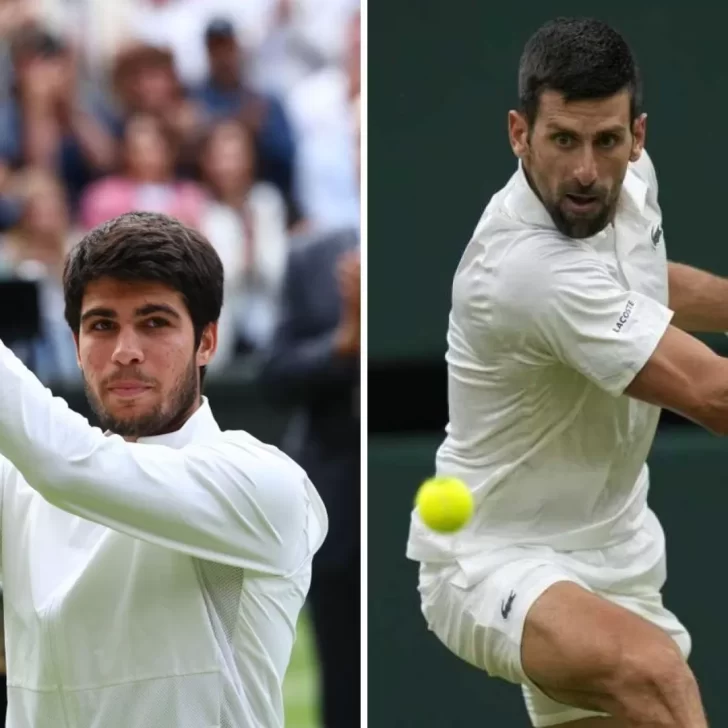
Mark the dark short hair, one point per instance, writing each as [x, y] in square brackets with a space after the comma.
[581, 58]
[147, 246]
[132, 61]
[219, 29]
[36, 40]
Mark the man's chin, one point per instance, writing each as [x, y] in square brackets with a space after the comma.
[130, 419]
[580, 226]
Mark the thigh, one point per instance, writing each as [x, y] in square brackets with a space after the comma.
[574, 643]
[482, 622]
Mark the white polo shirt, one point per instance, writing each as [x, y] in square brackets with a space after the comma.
[545, 334]
[154, 584]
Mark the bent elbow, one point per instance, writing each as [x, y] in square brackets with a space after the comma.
[712, 414]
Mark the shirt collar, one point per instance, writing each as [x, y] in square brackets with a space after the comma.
[525, 203]
[202, 422]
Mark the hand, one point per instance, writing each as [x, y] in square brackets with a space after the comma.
[349, 276]
[15, 14]
[44, 83]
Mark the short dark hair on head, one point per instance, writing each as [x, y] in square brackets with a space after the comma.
[147, 246]
[582, 58]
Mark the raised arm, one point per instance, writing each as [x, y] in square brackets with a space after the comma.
[698, 298]
[685, 376]
[230, 500]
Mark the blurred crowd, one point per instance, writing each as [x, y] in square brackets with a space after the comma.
[240, 117]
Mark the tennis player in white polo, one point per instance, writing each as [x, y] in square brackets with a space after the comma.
[153, 573]
[566, 336]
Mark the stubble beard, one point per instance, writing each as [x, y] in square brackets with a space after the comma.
[162, 418]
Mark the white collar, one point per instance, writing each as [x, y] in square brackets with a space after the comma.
[201, 422]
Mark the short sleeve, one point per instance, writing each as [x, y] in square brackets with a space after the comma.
[560, 298]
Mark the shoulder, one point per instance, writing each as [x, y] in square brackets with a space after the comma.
[317, 246]
[277, 482]
[511, 276]
[253, 467]
[507, 258]
[239, 443]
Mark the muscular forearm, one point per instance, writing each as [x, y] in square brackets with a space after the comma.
[699, 299]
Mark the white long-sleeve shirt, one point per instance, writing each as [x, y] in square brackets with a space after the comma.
[154, 584]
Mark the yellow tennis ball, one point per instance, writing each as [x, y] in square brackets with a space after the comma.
[444, 504]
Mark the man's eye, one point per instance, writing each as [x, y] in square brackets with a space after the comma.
[608, 141]
[156, 323]
[565, 141]
[102, 325]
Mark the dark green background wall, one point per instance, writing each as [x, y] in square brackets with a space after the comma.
[442, 76]
[414, 682]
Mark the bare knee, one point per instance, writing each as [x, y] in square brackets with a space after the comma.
[652, 685]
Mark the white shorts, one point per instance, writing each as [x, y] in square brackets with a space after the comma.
[481, 620]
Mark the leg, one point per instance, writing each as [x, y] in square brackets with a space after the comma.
[584, 651]
[335, 612]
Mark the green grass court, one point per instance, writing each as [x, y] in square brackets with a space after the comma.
[301, 683]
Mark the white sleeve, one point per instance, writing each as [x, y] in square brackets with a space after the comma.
[232, 500]
[560, 299]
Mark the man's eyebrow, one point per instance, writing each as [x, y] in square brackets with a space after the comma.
[148, 309]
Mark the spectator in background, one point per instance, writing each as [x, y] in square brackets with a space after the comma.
[147, 181]
[246, 222]
[313, 368]
[44, 123]
[36, 249]
[145, 81]
[180, 25]
[323, 109]
[225, 94]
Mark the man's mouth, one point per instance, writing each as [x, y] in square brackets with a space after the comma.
[581, 203]
[128, 389]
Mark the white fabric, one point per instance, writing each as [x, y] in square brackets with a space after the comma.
[223, 227]
[483, 624]
[324, 123]
[154, 584]
[314, 35]
[545, 333]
